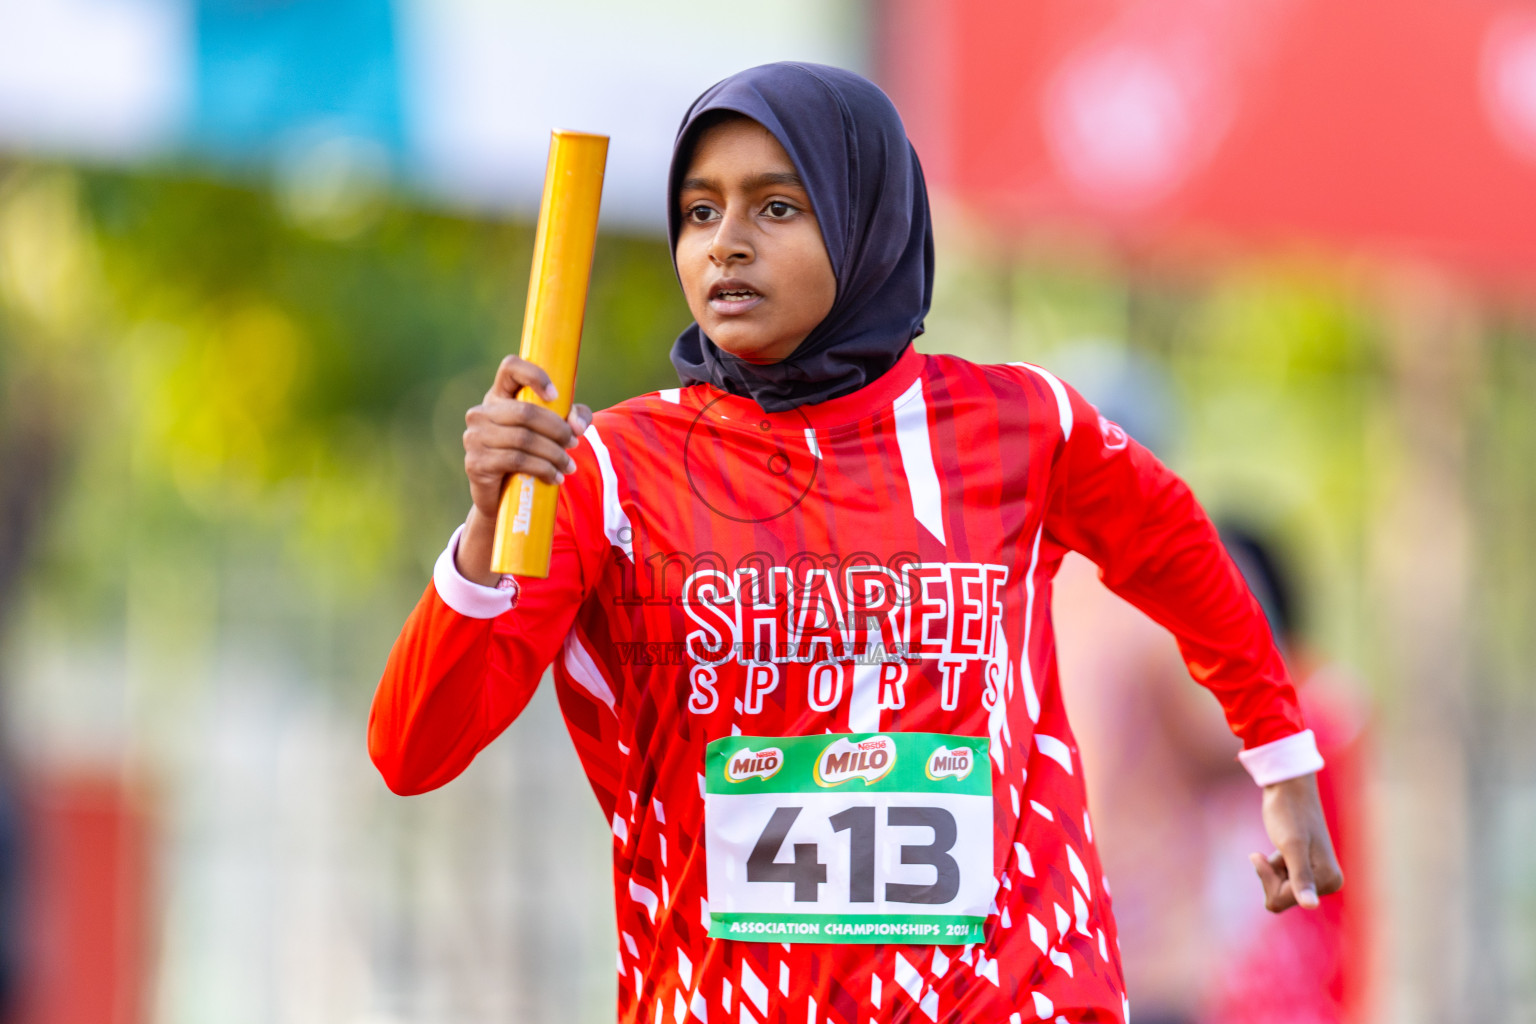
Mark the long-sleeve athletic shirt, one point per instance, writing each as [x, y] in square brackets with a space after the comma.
[797, 651]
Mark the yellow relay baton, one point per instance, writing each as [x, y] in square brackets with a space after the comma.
[557, 300]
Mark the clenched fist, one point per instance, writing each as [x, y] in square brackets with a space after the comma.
[503, 436]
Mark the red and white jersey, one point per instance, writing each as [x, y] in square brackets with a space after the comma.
[880, 563]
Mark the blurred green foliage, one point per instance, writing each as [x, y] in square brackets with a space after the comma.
[258, 418]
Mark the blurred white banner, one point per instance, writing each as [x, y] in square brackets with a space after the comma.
[97, 78]
[486, 81]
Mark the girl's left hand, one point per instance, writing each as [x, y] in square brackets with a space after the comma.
[1303, 866]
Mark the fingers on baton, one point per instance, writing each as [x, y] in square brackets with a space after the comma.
[516, 373]
[502, 408]
[542, 456]
[579, 420]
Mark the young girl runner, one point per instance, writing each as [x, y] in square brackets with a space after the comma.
[798, 612]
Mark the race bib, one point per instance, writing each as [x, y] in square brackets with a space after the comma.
[867, 837]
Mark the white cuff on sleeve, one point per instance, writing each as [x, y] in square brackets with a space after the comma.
[1288, 758]
[468, 599]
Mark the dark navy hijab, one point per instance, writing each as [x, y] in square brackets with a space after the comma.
[866, 187]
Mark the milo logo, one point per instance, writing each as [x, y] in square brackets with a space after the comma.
[845, 760]
[945, 763]
[747, 763]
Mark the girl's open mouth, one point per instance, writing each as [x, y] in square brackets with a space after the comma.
[733, 301]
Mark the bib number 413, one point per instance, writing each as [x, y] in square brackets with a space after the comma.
[807, 873]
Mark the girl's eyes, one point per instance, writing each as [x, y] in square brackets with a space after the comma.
[702, 213]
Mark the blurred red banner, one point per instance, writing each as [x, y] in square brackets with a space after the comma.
[86, 956]
[1407, 127]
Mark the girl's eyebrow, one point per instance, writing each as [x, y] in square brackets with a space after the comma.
[751, 184]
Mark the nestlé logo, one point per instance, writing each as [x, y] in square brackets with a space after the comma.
[946, 763]
[747, 763]
[845, 760]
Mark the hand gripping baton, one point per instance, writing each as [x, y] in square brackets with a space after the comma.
[557, 298]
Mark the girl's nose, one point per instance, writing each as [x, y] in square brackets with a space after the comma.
[730, 243]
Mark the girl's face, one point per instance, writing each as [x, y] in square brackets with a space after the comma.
[750, 255]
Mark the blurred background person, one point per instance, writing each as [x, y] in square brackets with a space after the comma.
[1173, 824]
[1176, 831]
[1318, 969]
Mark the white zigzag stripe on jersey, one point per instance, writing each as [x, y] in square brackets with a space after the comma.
[1037, 934]
[754, 989]
[916, 449]
[987, 969]
[1063, 405]
[908, 978]
[615, 520]
[1075, 865]
[1054, 749]
[583, 669]
[645, 897]
[1026, 865]
[1026, 673]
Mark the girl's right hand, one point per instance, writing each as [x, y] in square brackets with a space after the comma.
[506, 436]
